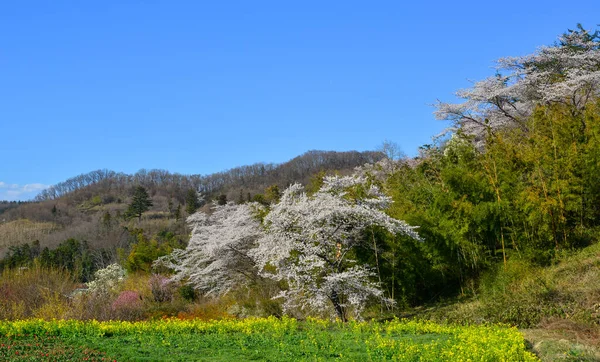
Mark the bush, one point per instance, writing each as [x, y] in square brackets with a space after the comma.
[107, 279]
[188, 293]
[35, 292]
[128, 305]
[527, 295]
[162, 290]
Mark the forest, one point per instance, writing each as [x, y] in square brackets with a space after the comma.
[496, 220]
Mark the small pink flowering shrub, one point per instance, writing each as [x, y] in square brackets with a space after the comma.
[162, 288]
[128, 305]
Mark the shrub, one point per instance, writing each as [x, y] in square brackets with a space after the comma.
[128, 305]
[162, 290]
[188, 293]
[107, 279]
[34, 292]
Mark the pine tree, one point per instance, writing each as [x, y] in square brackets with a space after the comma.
[140, 203]
[178, 213]
[107, 220]
[192, 204]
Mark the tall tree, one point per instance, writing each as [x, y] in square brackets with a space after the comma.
[140, 203]
[311, 243]
[192, 201]
[216, 259]
[566, 73]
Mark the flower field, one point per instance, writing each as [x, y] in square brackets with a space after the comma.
[267, 339]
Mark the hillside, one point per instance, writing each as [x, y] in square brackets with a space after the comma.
[557, 305]
[90, 206]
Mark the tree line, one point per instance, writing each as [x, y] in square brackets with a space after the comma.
[252, 178]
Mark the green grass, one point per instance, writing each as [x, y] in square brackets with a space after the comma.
[45, 347]
[258, 339]
[553, 345]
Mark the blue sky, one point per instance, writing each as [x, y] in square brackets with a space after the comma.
[203, 86]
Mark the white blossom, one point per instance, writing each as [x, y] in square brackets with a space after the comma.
[216, 258]
[107, 279]
[309, 239]
[568, 72]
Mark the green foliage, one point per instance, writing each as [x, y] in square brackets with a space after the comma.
[188, 292]
[260, 198]
[71, 255]
[178, 213]
[192, 203]
[315, 182]
[140, 203]
[530, 192]
[527, 295]
[145, 251]
[272, 194]
[96, 200]
[20, 255]
[107, 220]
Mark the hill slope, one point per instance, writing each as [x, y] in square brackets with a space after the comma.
[91, 206]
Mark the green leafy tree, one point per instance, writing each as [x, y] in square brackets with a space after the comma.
[140, 203]
[144, 251]
[272, 194]
[107, 220]
[178, 213]
[192, 202]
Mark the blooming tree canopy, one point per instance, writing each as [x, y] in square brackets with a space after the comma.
[216, 258]
[310, 241]
[568, 72]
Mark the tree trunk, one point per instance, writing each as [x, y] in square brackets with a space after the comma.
[335, 299]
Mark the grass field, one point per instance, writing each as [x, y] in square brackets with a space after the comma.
[257, 339]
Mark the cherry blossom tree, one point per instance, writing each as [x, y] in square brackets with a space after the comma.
[310, 243]
[567, 72]
[216, 258]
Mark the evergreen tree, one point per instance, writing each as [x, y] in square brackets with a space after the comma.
[140, 203]
[192, 203]
[107, 220]
[178, 213]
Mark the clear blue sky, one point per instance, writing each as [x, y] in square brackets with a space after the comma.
[203, 86]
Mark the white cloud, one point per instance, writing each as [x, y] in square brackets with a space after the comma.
[15, 192]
